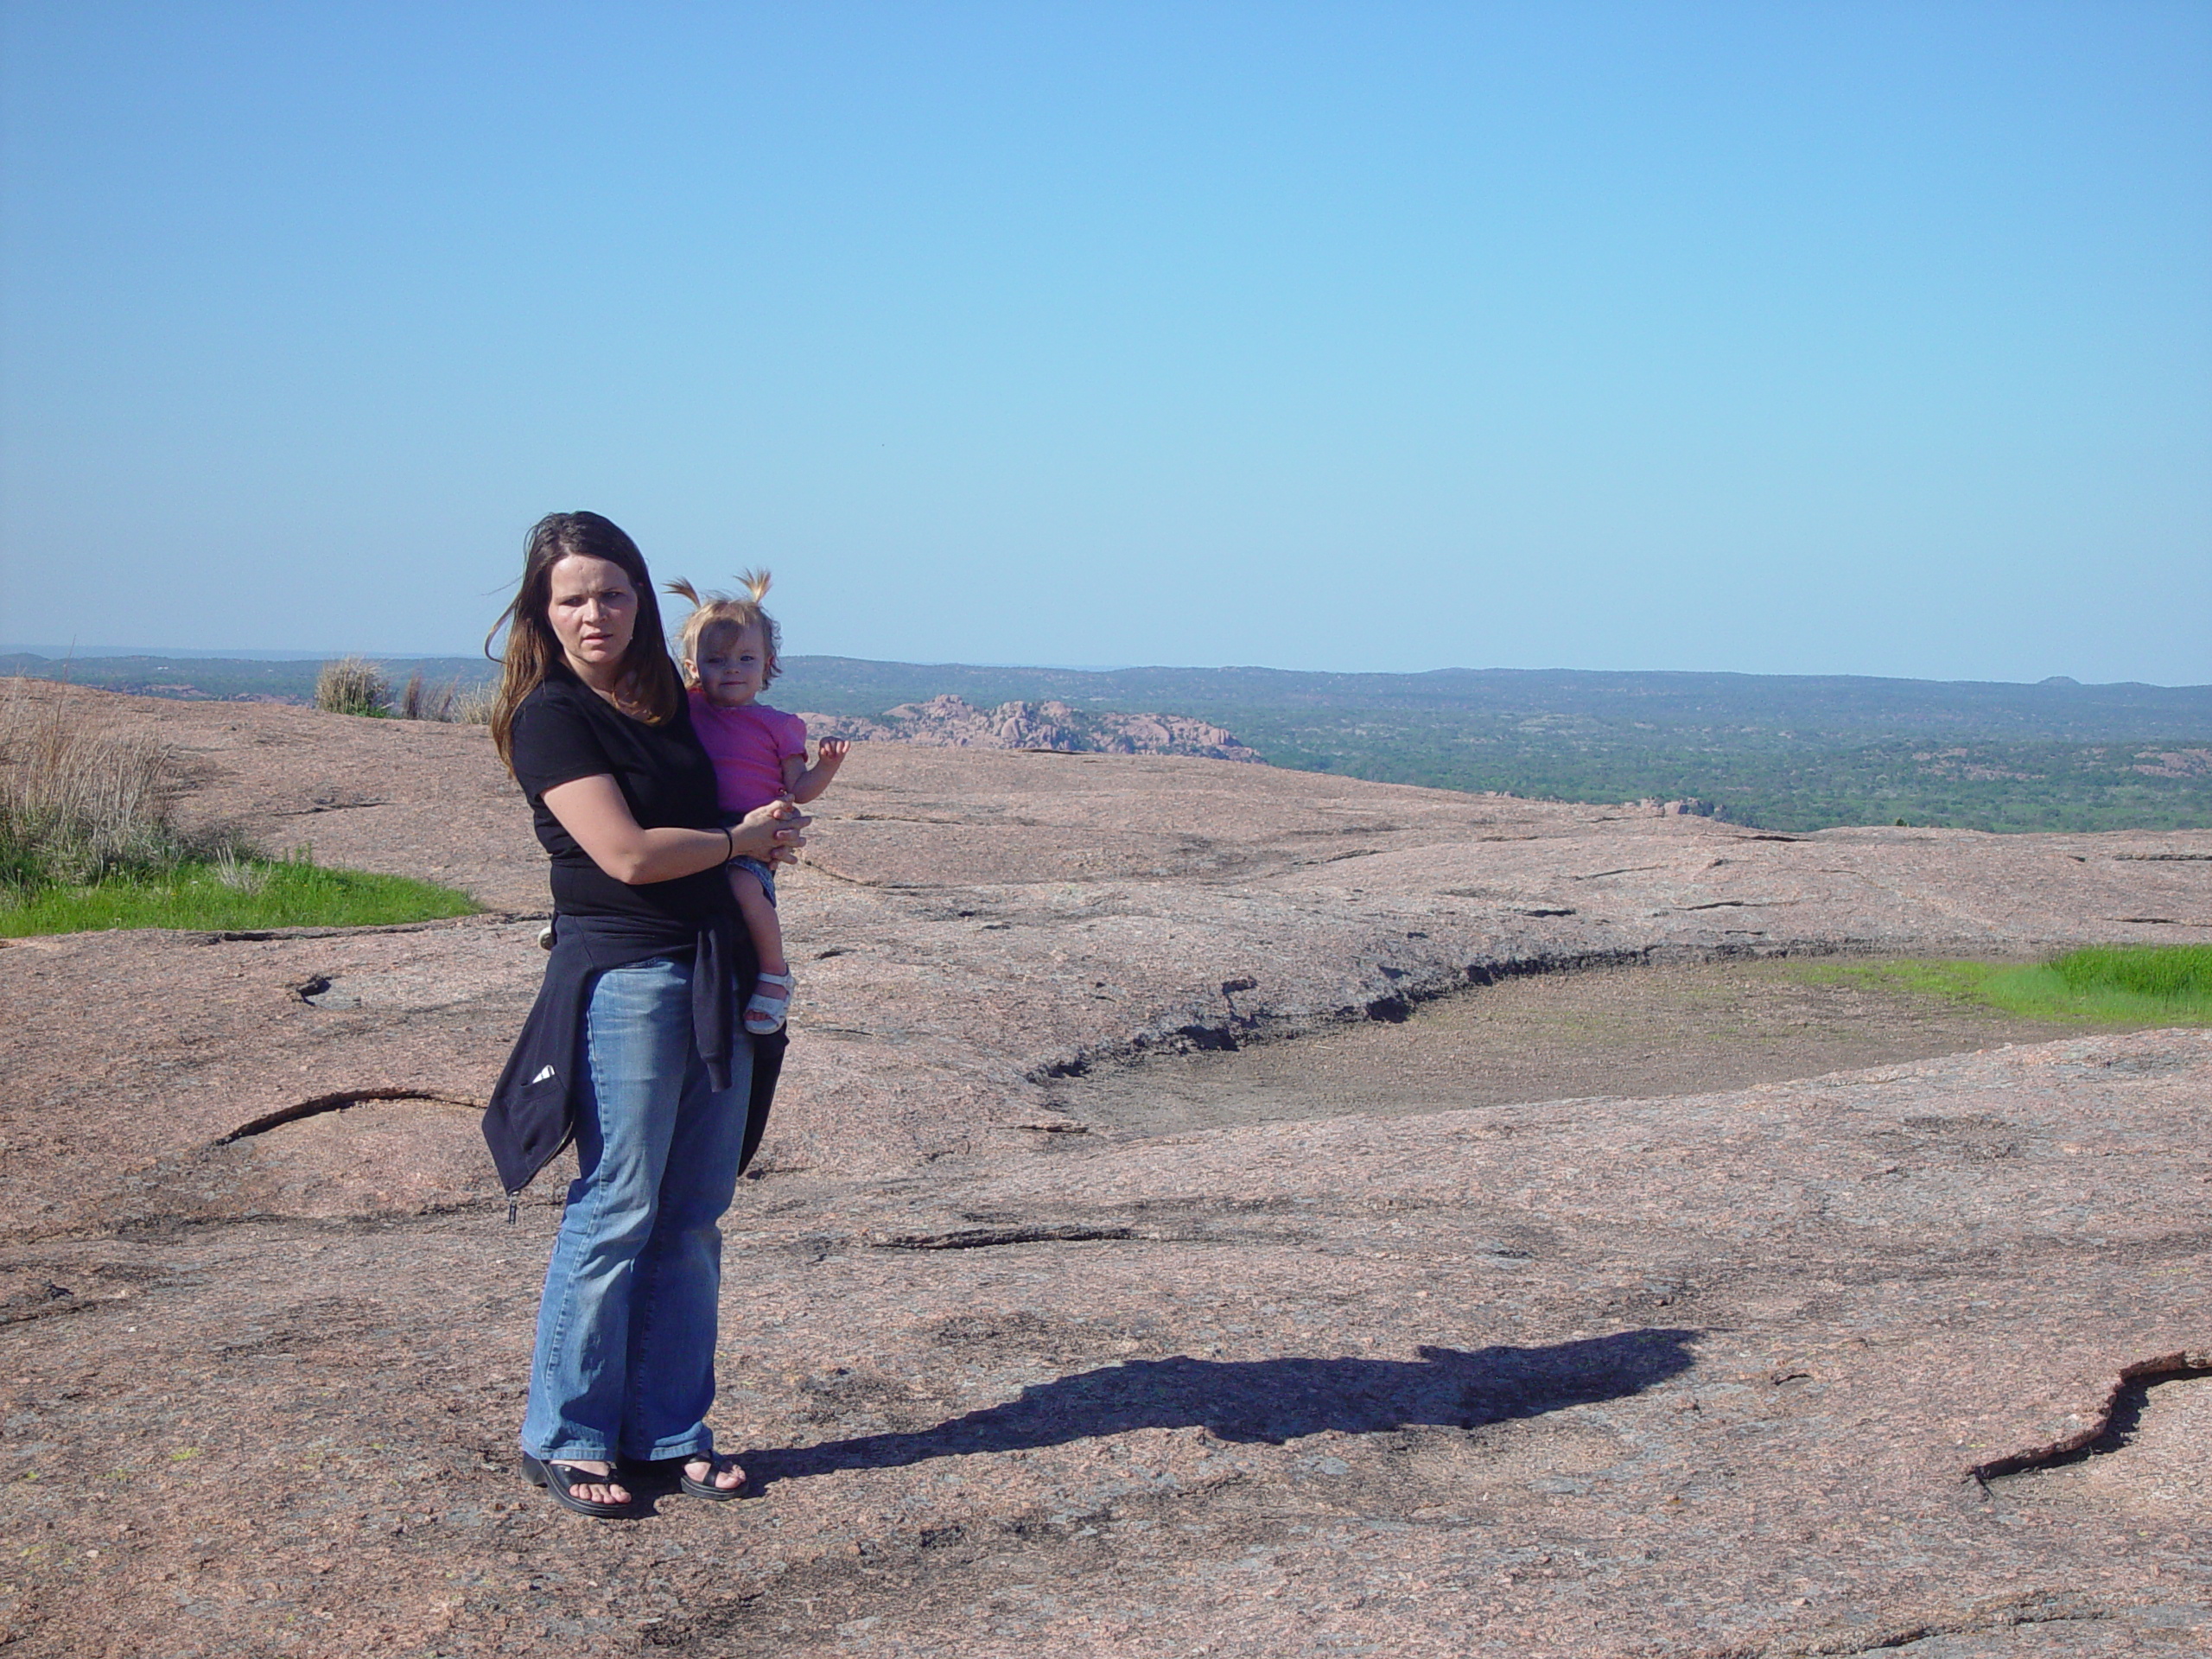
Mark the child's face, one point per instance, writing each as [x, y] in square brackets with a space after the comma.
[728, 666]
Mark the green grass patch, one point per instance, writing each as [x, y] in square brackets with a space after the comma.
[2176, 972]
[231, 894]
[2102, 985]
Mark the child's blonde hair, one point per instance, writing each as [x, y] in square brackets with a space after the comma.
[726, 611]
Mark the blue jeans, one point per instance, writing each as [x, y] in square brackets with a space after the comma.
[625, 1363]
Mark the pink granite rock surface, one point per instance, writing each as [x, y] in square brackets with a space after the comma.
[1701, 1376]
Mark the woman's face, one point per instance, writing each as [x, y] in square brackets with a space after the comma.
[592, 610]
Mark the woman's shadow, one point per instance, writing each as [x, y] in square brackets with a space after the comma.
[1270, 1399]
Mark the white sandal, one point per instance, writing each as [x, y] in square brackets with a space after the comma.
[764, 1015]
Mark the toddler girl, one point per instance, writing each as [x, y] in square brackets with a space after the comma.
[728, 648]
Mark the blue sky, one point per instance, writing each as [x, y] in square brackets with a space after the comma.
[1863, 338]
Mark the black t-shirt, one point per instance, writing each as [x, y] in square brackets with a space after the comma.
[564, 731]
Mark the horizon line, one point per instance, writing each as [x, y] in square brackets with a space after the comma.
[62, 654]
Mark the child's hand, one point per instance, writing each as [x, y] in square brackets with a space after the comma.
[831, 753]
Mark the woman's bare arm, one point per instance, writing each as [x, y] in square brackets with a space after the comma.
[593, 810]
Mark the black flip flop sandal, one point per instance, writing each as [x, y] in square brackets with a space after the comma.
[706, 1487]
[559, 1481]
[667, 1475]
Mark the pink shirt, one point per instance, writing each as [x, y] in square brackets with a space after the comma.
[749, 746]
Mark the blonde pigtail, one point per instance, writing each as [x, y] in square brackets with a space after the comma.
[714, 610]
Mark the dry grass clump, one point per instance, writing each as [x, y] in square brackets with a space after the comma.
[421, 701]
[471, 705]
[447, 700]
[352, 685]
[79, 802]
[244, 875]
[87, 840]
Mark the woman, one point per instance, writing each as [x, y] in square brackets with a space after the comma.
[632, 1048]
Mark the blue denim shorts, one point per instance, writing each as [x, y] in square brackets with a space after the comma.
[764, 873]
[761, 872]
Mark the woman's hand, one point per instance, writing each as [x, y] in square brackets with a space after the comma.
[773, 834]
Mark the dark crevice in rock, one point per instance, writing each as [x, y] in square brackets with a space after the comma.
[261, 935]
[323, 806]
[1495, 973]
[1260, 1025]
[1180, 1222]
[2036, 1612]
[162, 1229]
[111, 1284]
[1211, 1039]
[340, 1102]
[2115, 1425]
[59, 1300]
[984, 1238]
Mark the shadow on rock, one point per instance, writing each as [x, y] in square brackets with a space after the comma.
[1270, 1399]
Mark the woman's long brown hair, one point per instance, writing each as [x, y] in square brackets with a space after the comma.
[532, 654]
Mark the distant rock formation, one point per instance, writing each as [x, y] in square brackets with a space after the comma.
[2175, 763]
[950, 723]
[1683, 809]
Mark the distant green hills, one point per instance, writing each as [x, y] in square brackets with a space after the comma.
[1783, 751]
[225, 678]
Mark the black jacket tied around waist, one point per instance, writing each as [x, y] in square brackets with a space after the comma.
[533, 1110]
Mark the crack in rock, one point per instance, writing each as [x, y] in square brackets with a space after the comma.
[338, 1102]
[2114, 1426]
[2034, 1611]
[984, 1238]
